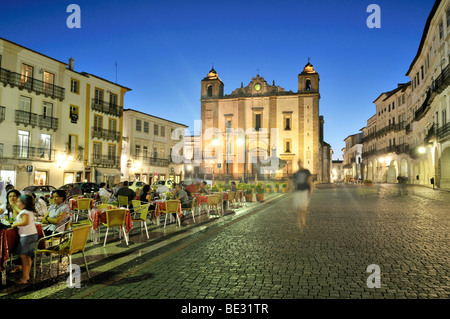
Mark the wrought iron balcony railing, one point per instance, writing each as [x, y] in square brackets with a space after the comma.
[25, 82]
[106, 107]
[105, 134]
[43, 121]
[26, 118]
[48, 122]
[443, 132]
[2, 113]
[155, 161]
[106, 160]
[33, 152]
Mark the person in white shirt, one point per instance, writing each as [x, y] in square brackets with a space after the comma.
[40, 205]
[103, 191]
[28, 235]
[162, 189]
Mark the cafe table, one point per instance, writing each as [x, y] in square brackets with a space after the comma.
[160, 205]
[98, 217]
[9, 238]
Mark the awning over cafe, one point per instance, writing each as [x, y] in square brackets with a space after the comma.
[109, 171]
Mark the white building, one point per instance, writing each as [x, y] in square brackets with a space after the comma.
[147, 148]
[352, 157]
[409, 135]
[58, 125]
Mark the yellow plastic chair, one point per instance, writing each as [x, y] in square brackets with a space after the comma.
[74, 242]
[192, 208]
[123, 201]
[136, 203]
[140, 215]
[83, 205]
[171, 207]
[103, 206]
[215, 202]
[231, 198]
[116, 218]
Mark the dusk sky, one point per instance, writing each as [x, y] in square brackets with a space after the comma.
[163, 49]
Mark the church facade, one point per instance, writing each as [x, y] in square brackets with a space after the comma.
[261, 130]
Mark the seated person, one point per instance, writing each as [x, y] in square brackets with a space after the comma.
[203, 189]
[103, 191]
[75, 191]
[57, 215]
[40, 205]
[10, 209]
[125, 191]
[233, 187]
[182, 196]
[145, 195]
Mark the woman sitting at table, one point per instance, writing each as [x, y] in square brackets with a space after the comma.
[145, 195]
[182, 196]
[10, 209]
[57, 215]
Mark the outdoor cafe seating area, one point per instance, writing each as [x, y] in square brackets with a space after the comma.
[95, 222]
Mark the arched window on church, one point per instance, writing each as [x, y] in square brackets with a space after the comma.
[308, 85]
[210, 88]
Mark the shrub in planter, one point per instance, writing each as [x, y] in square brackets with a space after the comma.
[276, 188]
[268, 188]
[284, 187]
[249, 194]
[368, 182]
[259, 188]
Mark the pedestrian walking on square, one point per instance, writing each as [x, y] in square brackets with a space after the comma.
[303, 190]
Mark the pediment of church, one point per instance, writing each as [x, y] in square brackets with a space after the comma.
[257, 86]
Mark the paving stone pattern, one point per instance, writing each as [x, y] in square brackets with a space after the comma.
[348, 229]
[264, 255]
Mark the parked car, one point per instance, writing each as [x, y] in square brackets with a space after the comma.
[168, 183]
[135, 185]
[43, 191]
[87, 187]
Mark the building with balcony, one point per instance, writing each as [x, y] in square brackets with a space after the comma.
[63, 125]
[385, 148]
[428, 135]
[409, 135]
[261, 130]
[352, 157]
[152, 148]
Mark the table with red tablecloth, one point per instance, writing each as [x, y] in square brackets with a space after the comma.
[98, 216]
[9, 238]
[201, 199]
[161, 206]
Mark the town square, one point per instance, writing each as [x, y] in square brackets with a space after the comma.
[244, 155]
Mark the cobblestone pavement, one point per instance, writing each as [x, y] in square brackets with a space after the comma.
[264, 255]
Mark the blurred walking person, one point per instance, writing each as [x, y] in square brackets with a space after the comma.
[303, 190]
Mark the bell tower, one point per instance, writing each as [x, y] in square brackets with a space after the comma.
[212, 86]
[308, 80]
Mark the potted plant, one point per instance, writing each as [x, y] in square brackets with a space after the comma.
[259, 189]
[268, 188]
[368, 182]
[284, 187]
[276, 187]
[248, 193]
